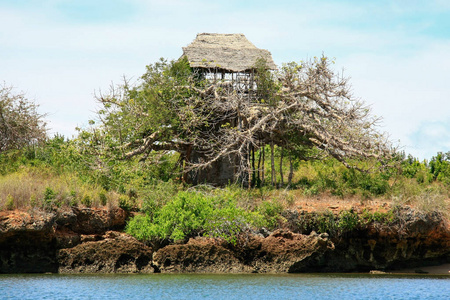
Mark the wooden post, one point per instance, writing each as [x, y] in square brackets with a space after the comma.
[291, 170]
[263, 175]
[272, 163]
[281, 166]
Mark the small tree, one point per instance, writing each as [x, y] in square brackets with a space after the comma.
[20, 122]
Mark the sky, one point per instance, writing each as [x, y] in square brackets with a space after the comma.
[397, 52]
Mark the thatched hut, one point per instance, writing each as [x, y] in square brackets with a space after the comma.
[226, 56]
[225, 53]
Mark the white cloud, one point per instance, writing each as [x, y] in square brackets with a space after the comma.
[406, 92]
[394, 65]
[431, 137]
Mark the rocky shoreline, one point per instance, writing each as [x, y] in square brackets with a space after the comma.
[85, 240]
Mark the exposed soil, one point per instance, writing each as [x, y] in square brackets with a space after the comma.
[336, 204]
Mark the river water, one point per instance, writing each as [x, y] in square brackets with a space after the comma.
[246, 286]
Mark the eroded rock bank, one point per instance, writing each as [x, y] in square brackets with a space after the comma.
[70, 240]
[413, 239]
[281, 252]
[75, 240]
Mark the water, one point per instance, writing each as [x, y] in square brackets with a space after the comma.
[247, 286]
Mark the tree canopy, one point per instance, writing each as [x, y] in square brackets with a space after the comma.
[20, 122]
[305, 108]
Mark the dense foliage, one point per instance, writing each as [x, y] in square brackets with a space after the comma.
[190, 214]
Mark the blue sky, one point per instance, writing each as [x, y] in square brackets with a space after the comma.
[396, 52]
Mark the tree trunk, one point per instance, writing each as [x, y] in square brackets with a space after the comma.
[187, 159]
[281, 167]
[263, 175]
[249, 167]
[253, 166]
[259, 163]
[272, 163]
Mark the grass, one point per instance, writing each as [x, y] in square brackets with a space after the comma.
[56, 177]
[40, 187]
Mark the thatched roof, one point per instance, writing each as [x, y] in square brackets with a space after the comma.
[227, 52]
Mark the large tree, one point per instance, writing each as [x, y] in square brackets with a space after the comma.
[298, 108]
[20, 122]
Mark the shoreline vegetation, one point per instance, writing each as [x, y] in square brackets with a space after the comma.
[404, 208]
[57, 174]
[312, 185]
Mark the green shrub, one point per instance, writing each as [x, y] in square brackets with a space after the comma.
[102, 197]
[33, 200]
[227, 221]
[124, 203]
[312, 191]
[132, 194]
[319, 222]
[10, 202]
[376, 185]
[186, 214]
[142, 228]
[86, 201]
[339, 191]
[348, 220]
[271, 212]
[326, 222]
[158, 195]
[303, 181]
[49, 196]
[327, 179]
[58, 202]
[377, 217]
[73, 200]
[190, 214]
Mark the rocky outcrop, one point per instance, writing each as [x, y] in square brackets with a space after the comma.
[415, 239]
[26, 242]
[116, 253]
[90, 221]
[281, 252]
[412, 239]
[284, 251]
[70, 240]
[75, 240]
[198, 255]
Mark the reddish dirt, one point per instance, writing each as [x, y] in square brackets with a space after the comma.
[336, 205]
[327, 202]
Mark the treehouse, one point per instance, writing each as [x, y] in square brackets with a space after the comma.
[227, 57]
[231, 59]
